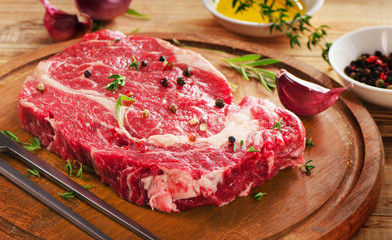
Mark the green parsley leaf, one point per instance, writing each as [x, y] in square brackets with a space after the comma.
[242, 143]
[234, 147]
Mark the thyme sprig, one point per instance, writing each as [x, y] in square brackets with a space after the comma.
[249, 67]
[69, 167]
[308, 143]
[32, 172]
[295, 29]
[135, 63]
[308, 167]
[34, 144]
[278, 124]
[119, 81]
[69, 194]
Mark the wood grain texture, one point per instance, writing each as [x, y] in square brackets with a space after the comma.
[22, 31]
[332, 203]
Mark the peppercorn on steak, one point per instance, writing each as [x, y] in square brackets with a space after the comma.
[156, 122]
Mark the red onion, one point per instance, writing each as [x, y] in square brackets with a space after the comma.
[63, 26]
[304, 98]
[103, 10]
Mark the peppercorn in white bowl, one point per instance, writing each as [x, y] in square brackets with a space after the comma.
[255, 29]
[350, 47]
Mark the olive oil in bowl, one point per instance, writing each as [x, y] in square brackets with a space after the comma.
[254, 12]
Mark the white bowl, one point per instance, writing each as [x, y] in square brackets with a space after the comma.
[349, 47]
[251, 28]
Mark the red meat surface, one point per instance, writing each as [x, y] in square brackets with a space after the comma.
[153, 160]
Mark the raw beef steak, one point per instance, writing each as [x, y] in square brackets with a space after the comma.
[170, 148]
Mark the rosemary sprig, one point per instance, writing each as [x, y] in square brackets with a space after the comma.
[32, 172]
[67, 194]
[70, 194]
[278, 124]
[308, 167]
[299, 27]
[308, 143]
[248, 67]
[34, 144]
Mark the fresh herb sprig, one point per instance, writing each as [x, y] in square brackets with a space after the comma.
[135, 13]
[32, 172]
[308, 167]
[278, 124]
[308, 143]
[249, 67]
[79, 174]
[259, 195]
[34, 144]
[295, 29]
[251, 149]
[119, 81]
[67, 194]
[134, 64]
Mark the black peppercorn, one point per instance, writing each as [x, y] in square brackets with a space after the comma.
[219, 103]
[164, 82]
[187, 72]
[144, 63]
[87, 73]
[162, 58]
[232, 139]
[181, 81]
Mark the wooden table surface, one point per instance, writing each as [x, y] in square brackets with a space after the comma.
[22, 31]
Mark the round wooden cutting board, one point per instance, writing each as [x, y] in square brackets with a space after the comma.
[331, 203]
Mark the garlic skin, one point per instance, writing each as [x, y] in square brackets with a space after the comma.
[304, 98]
[62, 26]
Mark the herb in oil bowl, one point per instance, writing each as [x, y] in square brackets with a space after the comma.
[249, 11]
[244, 17]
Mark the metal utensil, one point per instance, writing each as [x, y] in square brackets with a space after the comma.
[7, 145]
[29, 186]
